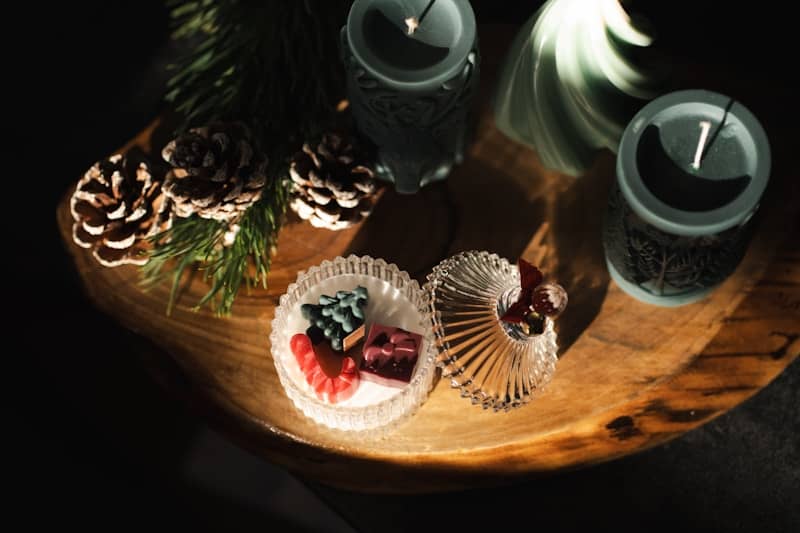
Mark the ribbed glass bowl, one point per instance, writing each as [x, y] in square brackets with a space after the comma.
[394, 299]
[493, 363]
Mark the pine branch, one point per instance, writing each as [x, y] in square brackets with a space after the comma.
[198, 240]
[274, 65]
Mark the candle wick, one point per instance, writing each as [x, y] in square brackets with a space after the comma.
[719, 127]
[705, 127]
[412, 23]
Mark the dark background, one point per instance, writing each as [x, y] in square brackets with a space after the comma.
[91, 442]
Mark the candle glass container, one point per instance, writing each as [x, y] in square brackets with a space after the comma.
[395, 299]
[691, 171]
[411, 95]
[494, 363]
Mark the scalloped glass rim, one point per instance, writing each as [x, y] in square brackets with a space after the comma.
[378, 415]
[500, 282]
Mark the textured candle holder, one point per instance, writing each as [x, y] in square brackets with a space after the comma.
[412, 96]
[394, 299]
[493, 363]
[672, 231]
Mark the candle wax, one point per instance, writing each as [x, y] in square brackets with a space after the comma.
[437, 50]
[667, 150]
[386, 36]
[724, 156]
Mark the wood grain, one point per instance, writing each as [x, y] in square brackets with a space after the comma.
[630, 376]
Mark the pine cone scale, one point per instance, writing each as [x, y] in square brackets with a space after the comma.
[314, 179]
[137, 215]
[302, 208]
[120, 238]
[93, 187]
[118, 211]
[348, 204]
[320, 196]
[82, 238]
[111, 257]
[88, 214]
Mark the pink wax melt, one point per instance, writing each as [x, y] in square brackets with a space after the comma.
[391, 353]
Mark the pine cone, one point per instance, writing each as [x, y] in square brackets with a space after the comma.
[332, 187]
[116, 206]
[216, 173]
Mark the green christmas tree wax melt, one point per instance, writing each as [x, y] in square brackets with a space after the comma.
[337, 316]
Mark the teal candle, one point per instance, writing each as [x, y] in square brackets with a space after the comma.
[691, 170]
[411, 91]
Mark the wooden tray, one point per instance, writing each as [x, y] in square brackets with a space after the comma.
[630, 376]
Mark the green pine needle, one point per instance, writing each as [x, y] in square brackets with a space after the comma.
[273, 63]
[199, 241]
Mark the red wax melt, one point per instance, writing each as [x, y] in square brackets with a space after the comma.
[328, 386]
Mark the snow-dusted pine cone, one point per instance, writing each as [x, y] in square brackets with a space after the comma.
[332, 184]
[216, 172]
[116, 206]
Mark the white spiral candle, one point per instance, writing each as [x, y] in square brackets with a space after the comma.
[569, 85]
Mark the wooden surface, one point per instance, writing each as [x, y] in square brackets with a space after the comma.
[630, 376]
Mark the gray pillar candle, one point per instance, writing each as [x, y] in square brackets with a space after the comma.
[691, 170]
[411, 93]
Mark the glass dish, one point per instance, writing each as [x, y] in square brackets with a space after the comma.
[394, 299]
[493, 363]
